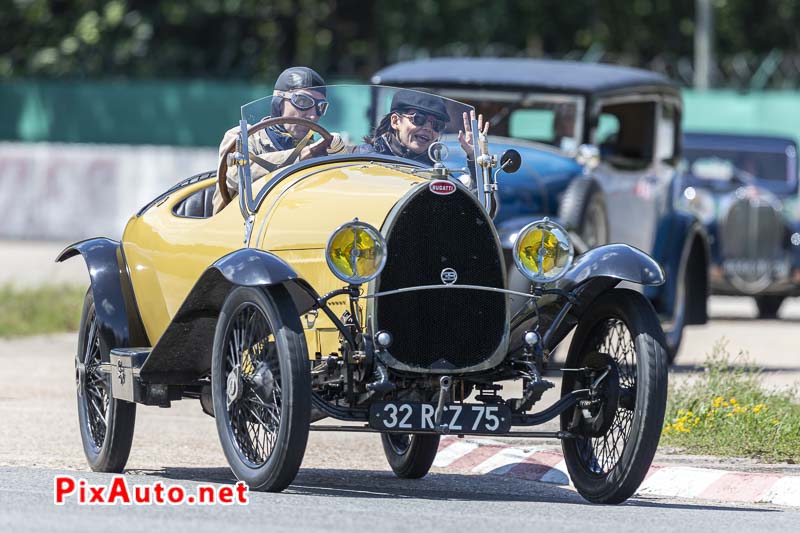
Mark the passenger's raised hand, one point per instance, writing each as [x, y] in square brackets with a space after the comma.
[465, 136]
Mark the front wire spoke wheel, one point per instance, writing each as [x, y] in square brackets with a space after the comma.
[261, 386]
[615, 434]
[253, 435]
[601, 454]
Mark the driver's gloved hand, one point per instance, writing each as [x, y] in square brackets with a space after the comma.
[337, 145]
[317, 149]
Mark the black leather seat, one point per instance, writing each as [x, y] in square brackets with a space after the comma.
[199, 204]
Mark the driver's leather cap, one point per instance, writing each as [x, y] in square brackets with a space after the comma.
[299, 78]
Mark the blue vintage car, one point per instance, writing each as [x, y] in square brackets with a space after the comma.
[600, 146]
[745, 190]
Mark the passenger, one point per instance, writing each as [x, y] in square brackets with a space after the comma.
[415, 121]
[283, 144]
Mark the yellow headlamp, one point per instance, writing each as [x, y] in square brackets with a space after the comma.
[356, 252]
[543, 251]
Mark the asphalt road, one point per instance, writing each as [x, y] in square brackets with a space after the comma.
[345, 482]
[356, 500]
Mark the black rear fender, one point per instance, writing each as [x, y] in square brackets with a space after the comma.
[183, 353]
[117, 313]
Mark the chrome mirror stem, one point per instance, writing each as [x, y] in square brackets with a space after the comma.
[483, 168]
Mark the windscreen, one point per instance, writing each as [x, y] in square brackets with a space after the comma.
[725, 165]
[363, 119]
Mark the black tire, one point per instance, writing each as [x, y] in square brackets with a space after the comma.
[410, 456]
[264, 431]
[583, 210]
[106, 423]
[768, 306]
[608, 461]
[673, 332]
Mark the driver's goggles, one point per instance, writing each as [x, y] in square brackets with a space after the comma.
[419, 120]
[305, 102]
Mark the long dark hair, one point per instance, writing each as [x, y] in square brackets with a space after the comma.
[384, 126]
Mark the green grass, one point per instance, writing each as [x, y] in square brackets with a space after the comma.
[43, 309]
[729, 412]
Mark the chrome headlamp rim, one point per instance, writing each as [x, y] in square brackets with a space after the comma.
[700, 202]
[548, 225]
[377, 237]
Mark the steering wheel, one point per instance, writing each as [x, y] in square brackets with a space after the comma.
[222, 171]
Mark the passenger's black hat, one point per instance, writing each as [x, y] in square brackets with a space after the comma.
[427, 103]
[299, 78]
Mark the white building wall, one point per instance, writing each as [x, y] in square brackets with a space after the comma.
[75, 191]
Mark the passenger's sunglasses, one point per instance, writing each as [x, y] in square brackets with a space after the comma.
[419, 119]
[305, 102]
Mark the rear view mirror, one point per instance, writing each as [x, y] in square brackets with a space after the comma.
[510, 161]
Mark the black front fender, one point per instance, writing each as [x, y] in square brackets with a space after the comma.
[593, 273]
[183, 353]
[620, 262]
[115, 305]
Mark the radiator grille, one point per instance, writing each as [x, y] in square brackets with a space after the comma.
[752, 230]
[442, 329]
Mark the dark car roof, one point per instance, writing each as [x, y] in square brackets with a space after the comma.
[736, 141]
[518, 73]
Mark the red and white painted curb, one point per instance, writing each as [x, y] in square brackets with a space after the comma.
[546, 464]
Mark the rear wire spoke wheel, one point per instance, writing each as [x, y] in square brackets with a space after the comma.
[261, 386]
[106, 423]
[608, 461]
[410, 455]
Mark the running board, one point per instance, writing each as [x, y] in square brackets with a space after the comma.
[123, 374]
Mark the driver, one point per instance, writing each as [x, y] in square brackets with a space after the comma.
[281, 145]
[415, 121]
[564, 127]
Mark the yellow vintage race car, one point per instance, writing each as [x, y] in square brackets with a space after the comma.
[370, 288]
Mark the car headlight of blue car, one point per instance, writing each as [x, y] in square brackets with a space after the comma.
[700, 202]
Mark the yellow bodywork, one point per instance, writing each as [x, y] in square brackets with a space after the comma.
[167, 254]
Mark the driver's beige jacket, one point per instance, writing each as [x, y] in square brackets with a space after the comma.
[259, 144]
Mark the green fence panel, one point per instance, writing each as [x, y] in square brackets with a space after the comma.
[767, 113]
[196, 113]
[193, 113]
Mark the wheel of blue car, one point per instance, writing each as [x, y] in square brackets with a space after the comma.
[619, 353]
[673, 329]
[410, 456]
[583, 210]
[261, 386]
[106, 423]
[768, 306]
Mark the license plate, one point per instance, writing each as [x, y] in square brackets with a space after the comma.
[460, 418]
